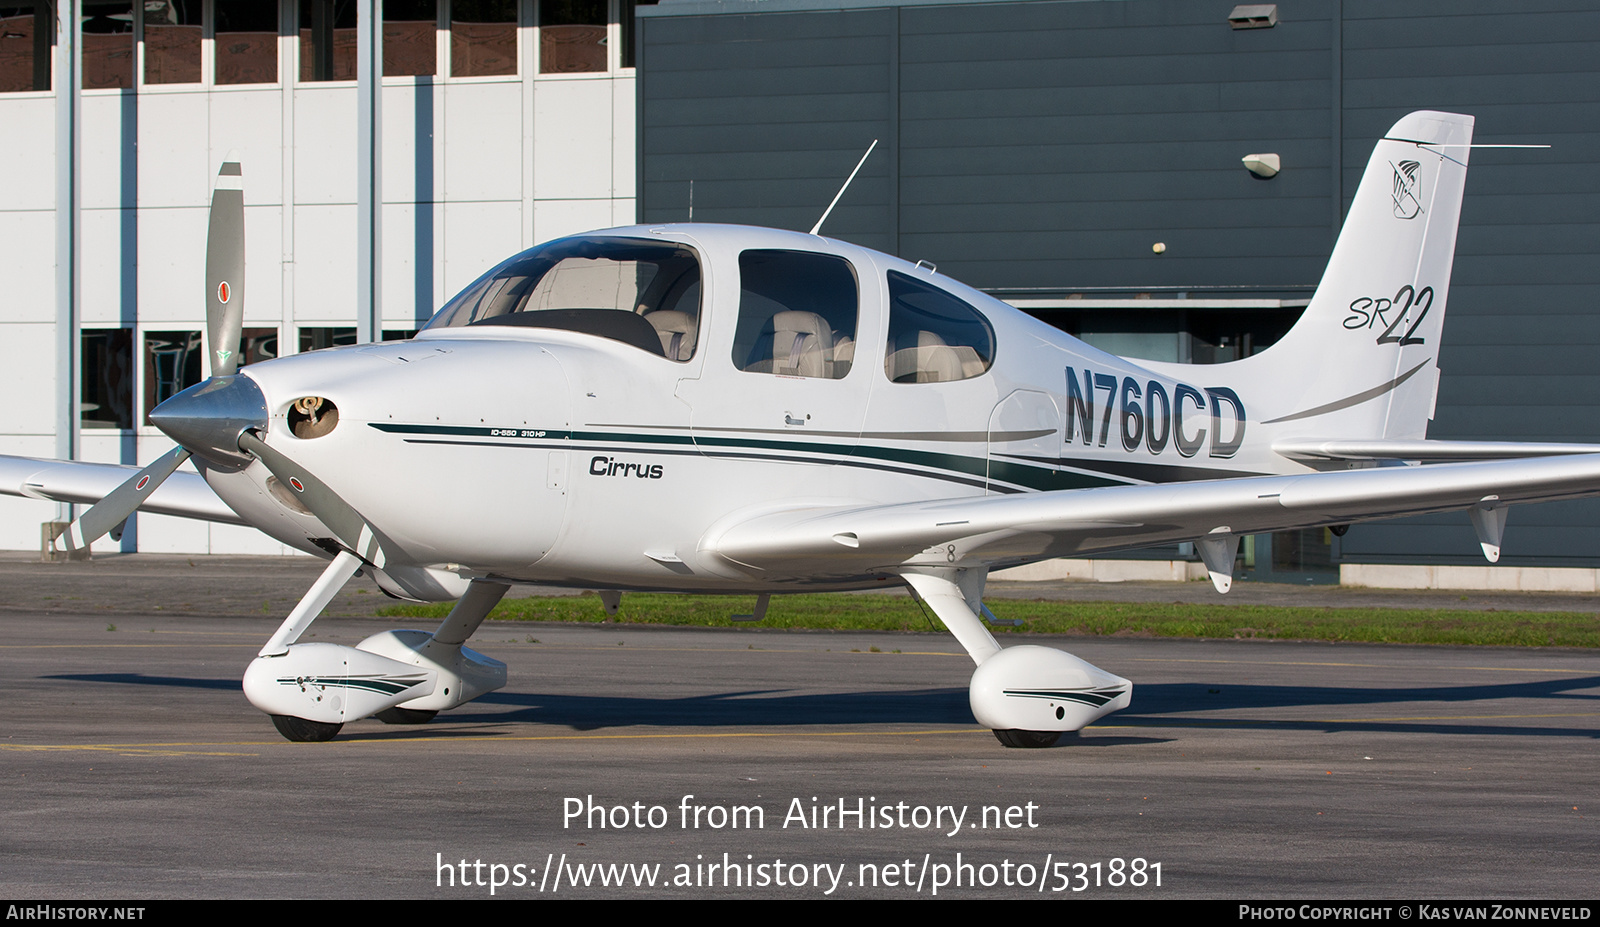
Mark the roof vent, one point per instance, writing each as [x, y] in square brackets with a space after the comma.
[1254, 16]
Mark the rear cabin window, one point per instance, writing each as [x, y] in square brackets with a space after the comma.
[641, 293]
[797, 314]
[934, 337]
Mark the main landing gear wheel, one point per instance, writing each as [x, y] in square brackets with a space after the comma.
[302, 731]
[1033, 739]
[405, 716]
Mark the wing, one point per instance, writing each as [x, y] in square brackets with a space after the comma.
[1004, 530]
[184, 494]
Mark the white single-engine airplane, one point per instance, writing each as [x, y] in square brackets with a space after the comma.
[725, 409]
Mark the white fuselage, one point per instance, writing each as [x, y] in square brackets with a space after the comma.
[552, 456]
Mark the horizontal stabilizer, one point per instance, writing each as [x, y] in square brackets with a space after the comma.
[1419, 449]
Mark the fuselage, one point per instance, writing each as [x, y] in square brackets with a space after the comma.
[556, 455]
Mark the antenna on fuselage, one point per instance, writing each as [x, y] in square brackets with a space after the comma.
[818, 227]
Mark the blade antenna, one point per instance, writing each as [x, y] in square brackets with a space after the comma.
[818, 227]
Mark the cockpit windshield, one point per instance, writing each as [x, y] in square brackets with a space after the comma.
[639, 292]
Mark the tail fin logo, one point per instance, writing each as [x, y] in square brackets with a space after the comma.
[1407, 190]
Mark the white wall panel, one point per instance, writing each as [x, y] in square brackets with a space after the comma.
[483, 141]
[624, 129]
[20, 518]
[28, 376]
[28, 153]
[464, 143]
[28, 271]
[412, 117]
[401, 282]
[263, 254]
[251, 123]
[103, 148]
[325, 260]
[166, 534]
[572, 135]
[42, 446]
[555, 218]
[325, 145]
[172, 270]
[103, 445]
[102, 266]
[237, 539]
[174, 155]
[624, 211]
[477, 237]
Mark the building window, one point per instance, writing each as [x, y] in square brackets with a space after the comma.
[107, 44]
[327, 40]
[172, 362]
[175, 360]
[106, 390]
[171, 41]
[625, 26]
[483, 38]
[246, 42]
[27, 31]
[315, 339]
[410, 38]
[399, 334]
[257, 345]
[572, 36]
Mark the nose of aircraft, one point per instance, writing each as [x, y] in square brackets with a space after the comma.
[209, 417]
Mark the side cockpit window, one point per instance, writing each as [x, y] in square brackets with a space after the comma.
[797, 314]
[643, 293]
[934, 336]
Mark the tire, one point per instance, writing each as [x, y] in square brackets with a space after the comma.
[1028, 739]
[302, 731]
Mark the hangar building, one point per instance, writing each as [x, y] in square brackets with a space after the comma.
[1037, 149]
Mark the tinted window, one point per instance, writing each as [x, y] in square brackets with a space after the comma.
[797, 314]
[643, 293]
[934, 337]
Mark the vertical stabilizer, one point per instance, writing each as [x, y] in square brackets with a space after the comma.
[1364, 356]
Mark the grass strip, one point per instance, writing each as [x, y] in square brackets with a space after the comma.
[840, 611]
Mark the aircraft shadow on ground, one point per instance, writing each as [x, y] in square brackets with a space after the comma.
[766, 707]
[1155, 705]
[1165, 705]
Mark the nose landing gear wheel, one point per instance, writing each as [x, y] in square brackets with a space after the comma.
[302, 731]
[405, 716]
[1028, 738]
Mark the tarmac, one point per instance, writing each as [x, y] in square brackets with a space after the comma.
[645, 762]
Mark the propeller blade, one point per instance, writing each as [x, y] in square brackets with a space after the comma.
[119, 503]
[345, 522]
[225, 268]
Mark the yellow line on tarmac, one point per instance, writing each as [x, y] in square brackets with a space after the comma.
[1573, 714]
[124, 749]
[1290, 722]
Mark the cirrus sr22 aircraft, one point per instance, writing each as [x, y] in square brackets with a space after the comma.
[721, 409]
